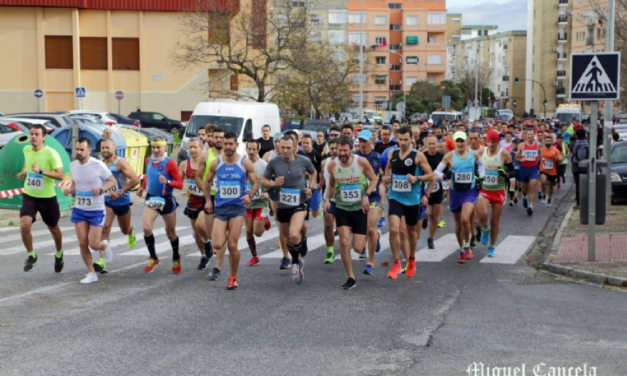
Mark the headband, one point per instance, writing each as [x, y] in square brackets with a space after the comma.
[158, 143]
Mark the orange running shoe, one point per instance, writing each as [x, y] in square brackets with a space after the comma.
[232, 285]
[461, 259]
[411, 268]
[468, 254]
[152, 263]
[253, 261]
[394, 270]
[176, 266]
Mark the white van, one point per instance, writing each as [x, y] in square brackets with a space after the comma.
[245, 119]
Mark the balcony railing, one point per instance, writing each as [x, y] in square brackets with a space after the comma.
[563, 36]
[395, 47]
[561, 73]
[395, 87]
[395, 67]
[562, 18]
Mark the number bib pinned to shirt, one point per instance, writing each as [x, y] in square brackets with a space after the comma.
[289, 197]
[192, 188]
[229, 189]
[530, 155]
[34, 181]
[400, 183]
[155, 202]
[547, 165]
[491, 178]
[350, 193]
[463, 177]
[84, 200]
[257, 195]
[436, 186]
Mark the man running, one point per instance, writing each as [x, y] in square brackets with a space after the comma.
[90, 179]
[550, 157]
[42, 166]
[266, 142]
[316, 159]
[194, 207]
[374, 246]
[329, 213]
[230, 172]
[498, 169]
[117, 200]
[404, 175]
[475, 144]
[434, 157]
[462, 193]
[351, 180]
[162, 176]
[257, 221]
[286, 176]
[528, 157]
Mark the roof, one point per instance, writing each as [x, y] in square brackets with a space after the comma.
[481, 27]
[453, 15]
[154, 5]
[522, 33]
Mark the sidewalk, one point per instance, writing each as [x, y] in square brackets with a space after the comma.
[569, 254]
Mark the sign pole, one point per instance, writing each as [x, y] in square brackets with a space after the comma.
[38, 107]
[119, 112]
[608, 123]
[592, 180]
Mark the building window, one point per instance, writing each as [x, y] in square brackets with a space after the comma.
[94, 53]
[434, 59]
[314, 19]
[380, 60]
[379, 101]
[431, 79]
[298, 4]
[395, 27]
[380, 79]
[431, 40]
[456, 37]
[395, 47]
[125, 53]
[436, 18]
[59, 52]
[337, 17]
[356, 78]
[354, 39]
[412, 60]
[411, 20]
[456, 20]
[394, 5]
[218, 29]
[234, 82]
[380, 40]
[395, 67]
[337, 37]
[353, 18]
[380, 20]
[410, 81]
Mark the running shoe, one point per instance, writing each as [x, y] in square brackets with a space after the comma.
[544, 200]
[285, 263]
[58, 264]
[89, 278]
[152, 264]
[442, 223]
[350, 283]
[485, 237]
[539, 194]
[425, 223]
[131, 240]
[214, 275]
[363, 255]
[394, 270]
[330, 258]
[203, 263]
[491, 251]
[369, 269]
[559, 186]
[473, 242]
[563, 180]
[530, 211]
[266, 227]
[381, 222]
[232, 285]
[525, 202]
[548, 203]
[467, 254]
[410, 271]
[253, 261]
[303, 248]
[511, 204]
[430, 244]
[478, 231]
[176, 265]
[108, 253]
[461, 258]
[515, 200]
[100, 266]
[378, 242]
[297, 271]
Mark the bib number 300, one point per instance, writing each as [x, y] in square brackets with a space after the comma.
[229, 189]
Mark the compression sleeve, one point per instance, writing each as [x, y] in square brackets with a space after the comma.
[481, 167]
[172, 170]
[439, 171]
[511, 172]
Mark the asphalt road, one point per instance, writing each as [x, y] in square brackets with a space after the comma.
[441, 322]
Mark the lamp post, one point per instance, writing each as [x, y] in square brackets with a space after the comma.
[361, 62]
[608, 124]
[402, 84]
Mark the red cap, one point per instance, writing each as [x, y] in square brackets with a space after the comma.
[492, 136]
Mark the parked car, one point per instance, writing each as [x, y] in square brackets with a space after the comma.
[7, 133]
[58, 120]
[619, 172]
[100, 115]
[124, 120]
[504, 114]
[293, 123]
[28, 123]
[87, 120]
[417, 117]
[157, 120]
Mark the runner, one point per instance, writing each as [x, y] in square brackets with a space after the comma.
[498, 169]
[316, 159]
[118, 199]
[352, 181]
[405, 173]
[42, 166]
[257, 221]
[194, 207]
[202, 135]
[265, 143]
[90, 179]
[443, 149]
[293, 196]
[373, 236]
[550, 157]
[463, 193]
[320, 145]
[516, 187]
[475, 144]
[230, 172]
[561, 168]
[162, 176]
[434, 157]
[303, 231]
[527, 155]
[380, 147]
[329, 213]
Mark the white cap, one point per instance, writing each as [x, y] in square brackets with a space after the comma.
[430, 121]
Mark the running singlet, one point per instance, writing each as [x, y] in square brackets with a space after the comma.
[401, 190]
[210, 158]
[434, 161]
[463, 170]
[120, 182]
[194, 193]
[492, 181]
[231, 185]
[36, 184]
[325, 171]
[529, 155]
[154, 187]
[256, 202]
[350, 185]
[373, 159]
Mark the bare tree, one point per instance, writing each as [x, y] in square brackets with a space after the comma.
[471, 75]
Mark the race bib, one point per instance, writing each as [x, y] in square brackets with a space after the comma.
[34, 181]
[214, 184]
[547, 165]
[436, 187]
[400, 183]
[491, 178]
[445, 185]
[155, 202]
[289, 197]
[531, 155]
[84, 200]
[192, 188]
[230, 189]
[463, 177]
[257, 195]
[350, 193]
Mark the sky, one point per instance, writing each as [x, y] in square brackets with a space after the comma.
[508, 14]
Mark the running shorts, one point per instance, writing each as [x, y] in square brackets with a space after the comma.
[412, 213]
[119, 210]
[95, 218]
[458, 199]
[285, 215]
[494, 197]
[47, 207]
[528, 174]
[226, 212]
[356, 220]
[259, 214]
[551, 178]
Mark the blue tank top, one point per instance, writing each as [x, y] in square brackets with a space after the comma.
[463, 171]
[155, 188]
[120, 182]
[373, 159]
[401, 190]
[231, 183]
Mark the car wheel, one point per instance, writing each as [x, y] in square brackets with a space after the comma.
[174, 130]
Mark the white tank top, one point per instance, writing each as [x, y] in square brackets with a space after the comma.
[272, 154]
[326, 179]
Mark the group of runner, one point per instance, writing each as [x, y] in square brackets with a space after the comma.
[343, 180]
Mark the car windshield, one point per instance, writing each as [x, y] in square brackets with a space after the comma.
[5, 129]
[568, 117]
[438, 117]
[317, 127]
[619, 154]
[228, 124]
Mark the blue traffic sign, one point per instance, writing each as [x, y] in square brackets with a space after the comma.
[595, 76]
[38, 93]
[80, 92]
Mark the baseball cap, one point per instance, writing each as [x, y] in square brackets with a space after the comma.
[430, 121]
[365, 135]
[516, 139]
[492, 136]
[459, 135]
[277, 136]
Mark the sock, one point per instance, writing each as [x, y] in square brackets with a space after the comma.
[492, 245]
[397, 261]
[466, 244]
[370, 263]
[486, 229]
[330, 250]
[208, 248]
[294, 250]
[175, 249]
[412, 258]
[150, 243]
[32, 254]
[253, 246]
[430, 239]
[58, 254]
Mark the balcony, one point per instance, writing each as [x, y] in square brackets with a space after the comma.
[590, 41]
[561, 56]
[562, 38]
[563, 3]
[561, 74]
[505, 78]
[561, 92]
[395, 47]
[395, 87]
[562, 20]
[394, 67]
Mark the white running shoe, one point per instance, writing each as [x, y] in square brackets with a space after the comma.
[297, 271]
[108, 253]
[90, 278]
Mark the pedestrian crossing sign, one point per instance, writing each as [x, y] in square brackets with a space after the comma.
[595, 76]
[80, 92]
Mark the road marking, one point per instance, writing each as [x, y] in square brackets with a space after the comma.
[6, 239]
[242, 243]
[7, 229]
[313, 243]
[385, 246]
[444, 247]
[47, 243]
[510, 250]
[161, 247]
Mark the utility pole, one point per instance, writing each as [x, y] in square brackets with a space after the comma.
[608, 124]
[361, 62]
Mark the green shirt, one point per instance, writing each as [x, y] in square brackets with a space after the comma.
[256, 202]
[47, 159]
[350, 185]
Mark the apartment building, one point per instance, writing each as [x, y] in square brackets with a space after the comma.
[453, 27]
[404, 41]
[474, 31]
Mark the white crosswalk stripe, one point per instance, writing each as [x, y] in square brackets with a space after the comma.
[510, 249]
[8, 229]
[444, 247]
[46, 243]
[6, 239]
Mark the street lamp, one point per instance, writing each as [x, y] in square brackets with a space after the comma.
[402, 84]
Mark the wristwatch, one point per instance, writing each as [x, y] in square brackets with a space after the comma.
[428, 196]
[41, 171]
[100, 191]
[168, 183]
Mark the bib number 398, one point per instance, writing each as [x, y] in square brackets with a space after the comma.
[34, 181]
[289, 197]
[400, 184]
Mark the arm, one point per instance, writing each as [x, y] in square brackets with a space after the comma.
[370, 174]
[252, 177]
[206, 184]
[330, 187]
[20, 175]
[144, 182]
[70, 190]
[480, 165]
[182, 168]
[172, 169]
[202, 163]
[56, 173]
[125, 168]
[388, 172]
[519, 154]
[108, 185]
[439, 171]
[322, 179]
[428, 175]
